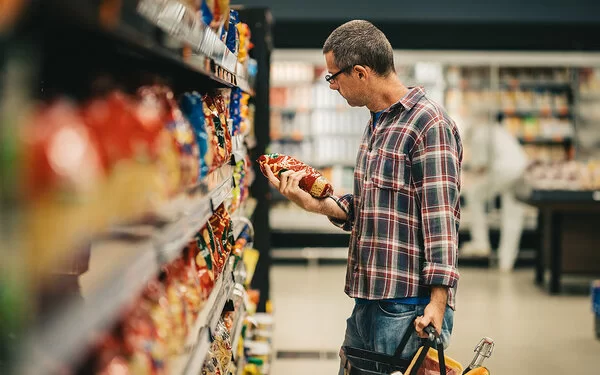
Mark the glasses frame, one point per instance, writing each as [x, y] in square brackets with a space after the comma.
[331, 77]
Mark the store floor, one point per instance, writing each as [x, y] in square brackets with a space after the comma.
[534, 333]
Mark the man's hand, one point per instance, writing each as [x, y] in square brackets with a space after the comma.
[287, 184]
[434, 312]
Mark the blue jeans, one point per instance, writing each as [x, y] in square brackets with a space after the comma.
[379, 327]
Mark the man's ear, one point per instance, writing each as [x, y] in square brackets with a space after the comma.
[362, 72]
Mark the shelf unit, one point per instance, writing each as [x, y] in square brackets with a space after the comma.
[73, 44]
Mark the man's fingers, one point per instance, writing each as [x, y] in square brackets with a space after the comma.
[271, 177]
[420, 323]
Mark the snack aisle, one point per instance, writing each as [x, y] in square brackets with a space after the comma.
[130, 137]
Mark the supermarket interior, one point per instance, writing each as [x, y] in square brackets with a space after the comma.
[140, 234]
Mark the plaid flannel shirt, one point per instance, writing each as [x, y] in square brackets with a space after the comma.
[404, 213]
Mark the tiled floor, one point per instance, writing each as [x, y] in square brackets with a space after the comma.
[534, 333]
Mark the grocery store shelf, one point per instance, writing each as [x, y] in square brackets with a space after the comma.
[545, 141]
[238, 148]
[561, 196]
[64, 337]
[538, 85]
[236, 333]
[177, 235]
[197, 357]
[119, 283]
[535, 113]
[210, 65]
[244, 85]
[198, 340]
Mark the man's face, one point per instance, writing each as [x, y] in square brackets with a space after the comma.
[347, 84]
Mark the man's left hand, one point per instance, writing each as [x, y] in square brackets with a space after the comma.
[434, 312]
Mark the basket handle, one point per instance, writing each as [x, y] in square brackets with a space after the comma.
[434, 339]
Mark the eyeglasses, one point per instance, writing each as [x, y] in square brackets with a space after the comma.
[330, 77]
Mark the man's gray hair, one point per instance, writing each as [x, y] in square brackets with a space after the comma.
[359, 42]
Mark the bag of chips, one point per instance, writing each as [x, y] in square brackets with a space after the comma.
[313, 183]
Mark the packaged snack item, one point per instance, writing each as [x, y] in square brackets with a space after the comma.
[221, 346]
[178, 308]
[235, 110]
[192, 107]
[223, 231]
[211, 365]
[167, 155]
[232, 39]
[218, 105]
[147, 331]
[191, 288]
[313, 183]
[206, 9]
[245, 43]
[205, 240]
[183, 135]
[228, 317]
[62, 185]
[216, 133]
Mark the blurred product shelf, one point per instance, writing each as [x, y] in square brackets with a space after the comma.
[160, 104]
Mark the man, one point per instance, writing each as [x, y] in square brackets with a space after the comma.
[404, 212]
[498, 163]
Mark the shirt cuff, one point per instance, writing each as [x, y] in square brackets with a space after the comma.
[437, 274]
[346, 204]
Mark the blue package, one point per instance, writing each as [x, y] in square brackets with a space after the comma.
[232, 40]
[191, 107]
[235, 110]
[207, 16]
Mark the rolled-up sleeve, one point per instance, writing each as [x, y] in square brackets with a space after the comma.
[346, 203]
[436, 172]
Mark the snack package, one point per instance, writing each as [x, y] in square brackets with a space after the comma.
[235, 110]
[228, 317]
[223, 231]
[190, 286]
[219, 106]
[211, 365]
[245, 44]
[147, 331]
[206, 281]
[178, 308]
[313, 183]
[241, 242]
[221, 346]
[206, 9]
[182, 133]
[232, 39]
[148, 108]
[207, 244]
[216, 133]
[192, 107]
[62, 180]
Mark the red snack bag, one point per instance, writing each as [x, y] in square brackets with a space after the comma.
[222, 229]
[313, 183]
[217, 123]
[202, 247]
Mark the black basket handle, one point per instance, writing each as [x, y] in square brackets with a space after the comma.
[433, 341]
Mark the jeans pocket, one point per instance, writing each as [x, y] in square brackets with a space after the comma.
[396, 309]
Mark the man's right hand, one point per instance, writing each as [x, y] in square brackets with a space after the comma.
[287, 184]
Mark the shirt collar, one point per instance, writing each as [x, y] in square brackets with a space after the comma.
[411, 98]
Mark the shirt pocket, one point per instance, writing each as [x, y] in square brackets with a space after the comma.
[392, 171]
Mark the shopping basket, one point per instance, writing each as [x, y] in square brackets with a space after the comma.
[364, 362]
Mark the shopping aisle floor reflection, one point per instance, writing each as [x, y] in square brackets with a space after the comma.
[534, 332]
